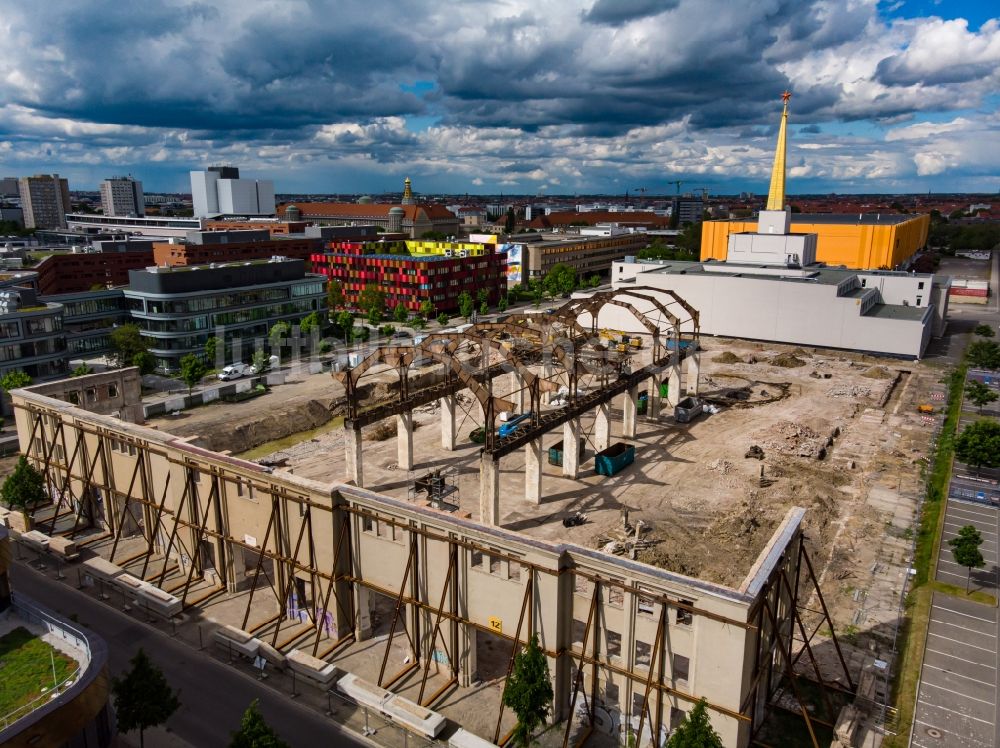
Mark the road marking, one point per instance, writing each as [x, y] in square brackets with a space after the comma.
[959, 675]
[949, 732]
[959, 641]
[960, 695]
[956, 657]
[981, 532]
[960, 714]
[967, 615]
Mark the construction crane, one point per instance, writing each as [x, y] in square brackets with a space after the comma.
[703, 190]
[640, 190]
[677, 183]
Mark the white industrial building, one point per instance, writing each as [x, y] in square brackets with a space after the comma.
[219, 191]
[122, 196]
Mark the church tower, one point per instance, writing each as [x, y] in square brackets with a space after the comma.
[408, 193]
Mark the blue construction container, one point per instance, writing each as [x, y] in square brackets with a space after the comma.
[614, 459]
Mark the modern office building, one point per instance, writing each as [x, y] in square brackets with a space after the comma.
[219, 191]
[179, 308]
[162, 227]
[31, 331]
[122, 196]
[8, 187]
[44, 200]
[413, 272]
[586, 254]
[89, 318]
[571, 219]
[687, 209]
[205, 247]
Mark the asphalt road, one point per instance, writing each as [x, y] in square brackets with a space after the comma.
[213, 696]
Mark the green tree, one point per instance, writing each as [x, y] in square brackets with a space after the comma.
[594, 281]
[484, 308]
[965, 550]
[335, 298]
[434, 236]
[260, 362]
[143, 698]
[985, 331]
[695, 731]
[560, 280]
[193, 369]
[254, 732]
[213, 349]
[528, 692]
[127, 347]
[418, 322]
[81, 371]
[984, 354]
[14, 379]
[24, 487]
[502, 304]
[482, 297]
[426, 309]
[465, 304]
[400, 313]
[979, 444]
[145, 362]
[345, 323]
[979, 394]
[309, 323]
[371, 301]
[443, 319]
[279, 334]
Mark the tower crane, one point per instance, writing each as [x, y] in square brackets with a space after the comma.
[677, 183]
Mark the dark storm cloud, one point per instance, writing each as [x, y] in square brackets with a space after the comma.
[618, 12]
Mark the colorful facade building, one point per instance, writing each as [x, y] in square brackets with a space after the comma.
[413, 272]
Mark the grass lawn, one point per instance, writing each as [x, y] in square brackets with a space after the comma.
[26, 668]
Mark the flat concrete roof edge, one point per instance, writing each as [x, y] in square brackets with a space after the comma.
[771, 553]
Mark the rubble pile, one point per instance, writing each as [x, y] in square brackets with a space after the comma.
[854, 391]
[790, 438]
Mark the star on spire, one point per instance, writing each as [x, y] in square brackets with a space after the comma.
[786, 96]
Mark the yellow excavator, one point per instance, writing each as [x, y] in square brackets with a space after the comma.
[620, 340]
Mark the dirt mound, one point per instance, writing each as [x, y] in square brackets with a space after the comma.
[266, 426]
[727, 357]
[791, 439]
[787, 361]
[799, 352]
[878, 372]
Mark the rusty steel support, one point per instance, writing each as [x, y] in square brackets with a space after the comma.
[177, 525]
[826, 614]
[64, 482]
[260, 560]
[578, 678]
[155, 529]
[290, 583]
[792, 680]
[410, 560]
[329, 589]
[516, 647]
[196, 545]
[125, 503]
[452, 563]
[807, 647]
[656, 657]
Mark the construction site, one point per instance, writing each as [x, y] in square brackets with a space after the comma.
[675, 518]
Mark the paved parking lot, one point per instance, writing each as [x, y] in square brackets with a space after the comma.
[957, 701]
[985, 518]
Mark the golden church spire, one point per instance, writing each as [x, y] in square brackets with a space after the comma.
[776, 195]
[408, 192]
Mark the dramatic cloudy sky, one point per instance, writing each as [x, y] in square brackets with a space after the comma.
[529, 96]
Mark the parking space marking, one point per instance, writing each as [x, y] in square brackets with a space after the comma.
[959, 641]
[964, 628]
[981, 531]
[967, 677]
[952, 691]
[956, 657]
[960, 714]
[967, 615]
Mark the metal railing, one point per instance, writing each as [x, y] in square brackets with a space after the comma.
[59, 628]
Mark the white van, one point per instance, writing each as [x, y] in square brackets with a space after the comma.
[235, 371]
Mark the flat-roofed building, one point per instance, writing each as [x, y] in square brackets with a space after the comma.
[44, 200]
[122, 196]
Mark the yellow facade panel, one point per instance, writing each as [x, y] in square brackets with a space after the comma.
[858, 246]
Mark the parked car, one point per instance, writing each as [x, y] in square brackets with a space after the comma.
[235, 371]
[401, 335]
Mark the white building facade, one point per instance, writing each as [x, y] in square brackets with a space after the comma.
[219, 190]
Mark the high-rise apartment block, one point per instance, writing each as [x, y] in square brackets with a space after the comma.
[44, 200]
[219, 191]
[8, 187]
[122, 196]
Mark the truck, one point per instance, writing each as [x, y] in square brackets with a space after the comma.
[687, 410]
[614, 459]
[235, 371]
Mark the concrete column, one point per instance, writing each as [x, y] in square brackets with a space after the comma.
[404, 440]
[363, 628]
[630, 408]
[571, 448]
[489, 490]
[653, 406]
[602, 426]
[533, 471]
[519, 395]
[468, 660]
[547, 371]
[352, 446]
[693, 373]
[448, 434]
[674, 385]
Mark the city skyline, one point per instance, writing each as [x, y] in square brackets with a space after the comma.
[588, 97]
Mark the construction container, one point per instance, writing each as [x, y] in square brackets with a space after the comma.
[556, 452]
[642, 403]
[687, 410]
[614, 459]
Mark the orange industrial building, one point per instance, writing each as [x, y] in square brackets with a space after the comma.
[866, 241]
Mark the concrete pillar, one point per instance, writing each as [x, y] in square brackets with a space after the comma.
[674, 385]
[448, 434]
[468, 662]
[404, 440]
[518, 396]
[533, 471]
[352, 446]
[489, 490]
[653, 406]
[362, 606]
[693, 373]
[547, 371]
[571, 448]
[630, 408]
[602, 426]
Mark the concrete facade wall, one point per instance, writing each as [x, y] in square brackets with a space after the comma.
[115, 393]
[715, 645]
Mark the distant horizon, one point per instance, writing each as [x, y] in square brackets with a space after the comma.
[558, 97]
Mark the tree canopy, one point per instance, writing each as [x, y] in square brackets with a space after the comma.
[979, 394]
[143, 698]
[14, 379]
[24, 487]
[193, 368]
[984, 354]
[695, 731]
[129, 349]
[335, 295]
[965, 550]
[979, 444]
[985, 331]
[254, 732]
[528, 692]
[560, 280]
[466, 305]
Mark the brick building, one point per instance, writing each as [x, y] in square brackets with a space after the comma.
[74, 272]
[205, 247]
[413, 272]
